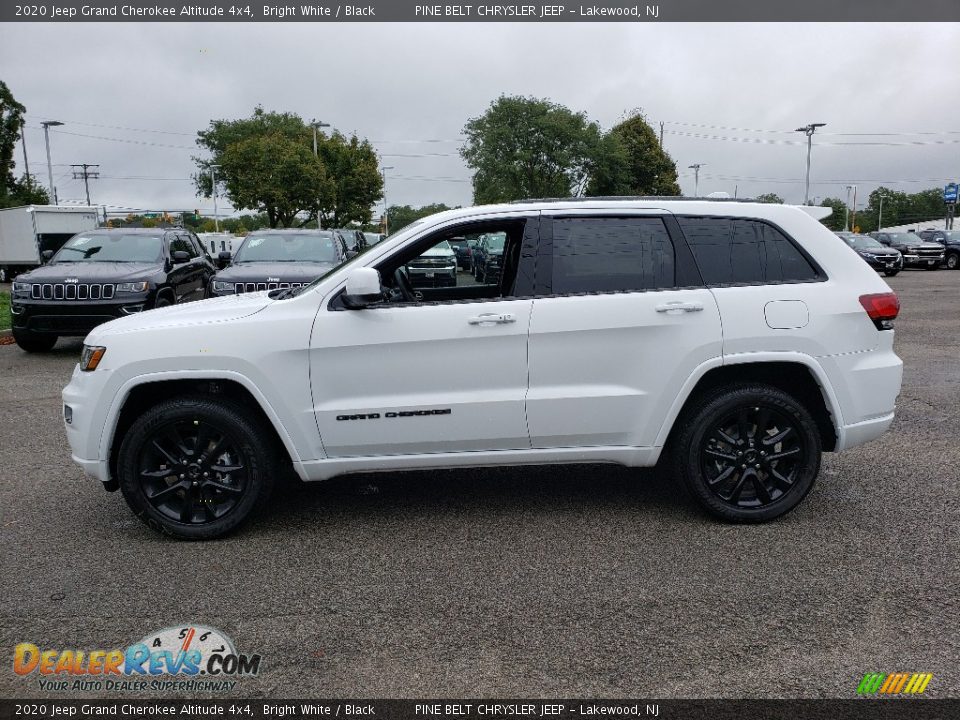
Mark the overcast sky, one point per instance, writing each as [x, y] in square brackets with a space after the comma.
[410, 88]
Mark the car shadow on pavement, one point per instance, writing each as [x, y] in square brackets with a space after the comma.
[549, 488]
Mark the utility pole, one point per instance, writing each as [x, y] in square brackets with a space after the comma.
[661, 135]
[213, 189]
[846, 212]
[316, 125]
[23, 139]
[47, 124]
[880, 214]
[386, 214]
[696, 177]
[809, 130]
[86, 174]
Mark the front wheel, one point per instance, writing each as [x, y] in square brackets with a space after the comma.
[34, 342]
[196, 467]
[953, 261]
[748, 453]
[890, 273]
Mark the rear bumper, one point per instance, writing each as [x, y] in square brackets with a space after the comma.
[863, 432]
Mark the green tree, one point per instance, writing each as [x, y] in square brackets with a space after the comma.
[526, 147]
[14, 192]
[633, 163]
[771, 198]
[835, 220]
[267, 164]
[399, 216]
[357, 182]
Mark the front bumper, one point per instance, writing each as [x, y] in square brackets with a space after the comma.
[445, 276]
[922, 260]
[67, 318]
[83, 434]
[885, 263]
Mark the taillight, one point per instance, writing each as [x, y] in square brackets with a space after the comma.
[882, 308]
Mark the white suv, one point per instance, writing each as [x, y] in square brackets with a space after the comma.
[739, 340]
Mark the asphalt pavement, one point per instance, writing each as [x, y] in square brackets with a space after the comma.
[571, 581]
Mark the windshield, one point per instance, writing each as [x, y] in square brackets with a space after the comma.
[495, 242]
[111, 247]
[906, 238]
[288, 247]
[862, 242]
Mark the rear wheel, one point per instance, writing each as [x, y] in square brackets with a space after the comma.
[34, 342]
[196, 467]
[748, 453]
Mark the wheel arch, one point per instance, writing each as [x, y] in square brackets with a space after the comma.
[794, 373]
[143, 392]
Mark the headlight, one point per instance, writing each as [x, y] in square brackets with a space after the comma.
[21, 289]
[133, 287]
[219, 286]
[91, 356]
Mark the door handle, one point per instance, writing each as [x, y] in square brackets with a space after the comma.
[676, 307]
[492, 318]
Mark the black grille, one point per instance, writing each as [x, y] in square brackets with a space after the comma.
[255, 286]
[71, 291]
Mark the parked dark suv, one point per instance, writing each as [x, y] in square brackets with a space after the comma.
[877, 255]
[272, 259]
[916, 251]
[950, 239]
[103, 274]
[488, 257]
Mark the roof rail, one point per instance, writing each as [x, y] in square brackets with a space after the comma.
[606, 198]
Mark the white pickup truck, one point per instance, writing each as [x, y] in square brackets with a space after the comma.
[735, 341]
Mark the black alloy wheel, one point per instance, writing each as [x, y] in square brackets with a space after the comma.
[751, 457]
[747, 453]
[196, 467]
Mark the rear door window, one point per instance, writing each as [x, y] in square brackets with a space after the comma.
[735, 251]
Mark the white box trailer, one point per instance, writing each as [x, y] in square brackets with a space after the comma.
[215, 243]
[26, 232]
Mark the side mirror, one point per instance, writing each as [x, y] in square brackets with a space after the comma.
[351, 254]
[46, 255]
[180, 256]
[224, 258]
[363, 289]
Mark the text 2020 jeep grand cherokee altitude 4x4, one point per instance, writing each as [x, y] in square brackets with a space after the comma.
[739, 340]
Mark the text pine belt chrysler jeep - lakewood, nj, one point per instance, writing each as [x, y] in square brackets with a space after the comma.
[735, 341]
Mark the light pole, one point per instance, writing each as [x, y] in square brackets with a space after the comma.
[47, 124]
[316, 125]
[386, 214]
[696, 177]
[809, 130]
[846, 220]
[880, 214]
[213, 187]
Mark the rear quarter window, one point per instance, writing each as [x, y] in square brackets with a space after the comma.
[732, 251]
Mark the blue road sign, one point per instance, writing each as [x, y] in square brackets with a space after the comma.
[950, 193]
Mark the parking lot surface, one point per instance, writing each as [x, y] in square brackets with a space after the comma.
[556, 581]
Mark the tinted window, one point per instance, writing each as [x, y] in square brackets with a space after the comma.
[743, 251]
[611, 254]
[179, 243]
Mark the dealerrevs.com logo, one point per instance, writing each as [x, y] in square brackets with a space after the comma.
[185, 658]
[901, 683]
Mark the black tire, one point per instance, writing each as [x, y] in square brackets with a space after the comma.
[162, 301]
[712, 456]
[890, 273]
[202, 436]
[34, 342]
[953, 261]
